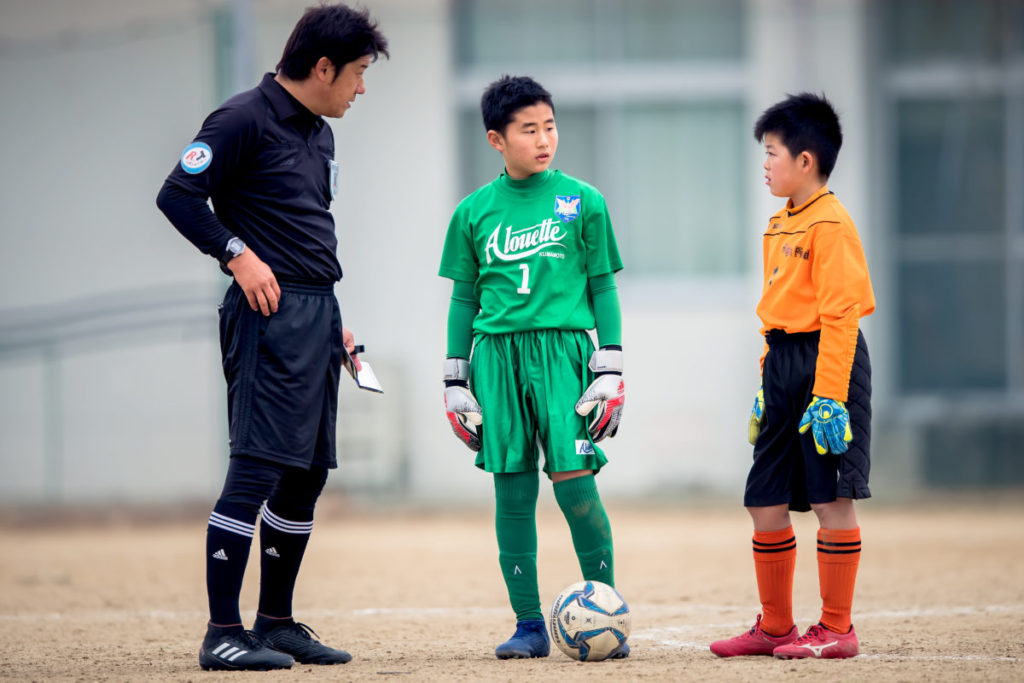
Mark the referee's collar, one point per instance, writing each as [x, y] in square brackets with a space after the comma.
[283, 102]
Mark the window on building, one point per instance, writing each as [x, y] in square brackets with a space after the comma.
[649, 98]
[955, 94]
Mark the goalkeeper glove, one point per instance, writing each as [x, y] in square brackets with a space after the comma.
[756, 417]
[464, 412]
[829, 423]
[607, 393]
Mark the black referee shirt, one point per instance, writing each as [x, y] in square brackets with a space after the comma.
[267, 164]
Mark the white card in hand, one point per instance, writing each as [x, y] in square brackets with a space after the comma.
[365, 378]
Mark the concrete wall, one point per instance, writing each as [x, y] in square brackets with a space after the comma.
[98, 105]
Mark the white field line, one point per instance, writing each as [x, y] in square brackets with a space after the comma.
[664, 638]
[659, 638]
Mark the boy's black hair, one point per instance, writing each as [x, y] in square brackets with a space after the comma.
[507, 95]
[338, 32]
[804, 122]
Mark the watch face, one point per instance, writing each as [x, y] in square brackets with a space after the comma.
[236, 246]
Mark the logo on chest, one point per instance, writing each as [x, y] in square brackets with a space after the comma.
[795, 252]
[567, 207]
[508, 244]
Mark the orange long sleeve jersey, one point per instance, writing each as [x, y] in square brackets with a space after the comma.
[816, 278]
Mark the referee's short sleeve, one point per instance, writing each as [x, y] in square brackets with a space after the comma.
[227, 136]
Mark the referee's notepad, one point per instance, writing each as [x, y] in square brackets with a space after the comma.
[365, 378]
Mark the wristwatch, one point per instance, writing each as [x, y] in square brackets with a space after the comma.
[234, 247]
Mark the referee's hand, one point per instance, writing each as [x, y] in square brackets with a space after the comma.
[257, 281]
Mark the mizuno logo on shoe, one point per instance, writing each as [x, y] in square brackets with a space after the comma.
[272, 551]
[220, 555]
[817, 649]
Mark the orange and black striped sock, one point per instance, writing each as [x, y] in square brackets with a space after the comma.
[838, 558]
[774, 563]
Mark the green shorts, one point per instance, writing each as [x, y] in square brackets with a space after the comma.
[527, 384]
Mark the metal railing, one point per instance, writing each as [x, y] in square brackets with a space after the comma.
[369, 434]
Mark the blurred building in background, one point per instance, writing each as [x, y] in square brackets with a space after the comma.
[110, 386]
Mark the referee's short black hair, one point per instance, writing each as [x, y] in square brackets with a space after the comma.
[507, 95]
[338, 32]
[804, 122]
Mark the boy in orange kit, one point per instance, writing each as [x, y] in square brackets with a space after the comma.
[816, 378]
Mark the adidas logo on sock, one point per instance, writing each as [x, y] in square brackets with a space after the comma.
[220, 555]
[272, 551]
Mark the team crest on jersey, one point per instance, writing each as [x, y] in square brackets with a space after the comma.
[567, 207]
[584, 447]
[196, 157]
[332, 177]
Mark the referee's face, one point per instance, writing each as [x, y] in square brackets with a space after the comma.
[341, 92]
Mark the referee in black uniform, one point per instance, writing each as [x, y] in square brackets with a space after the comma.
[266, 160]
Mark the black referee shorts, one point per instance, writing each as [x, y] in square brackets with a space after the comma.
[282, 375]
[787, 468]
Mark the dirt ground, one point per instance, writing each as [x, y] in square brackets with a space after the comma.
[416, 596]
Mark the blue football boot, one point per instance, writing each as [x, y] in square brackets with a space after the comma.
[529, 640]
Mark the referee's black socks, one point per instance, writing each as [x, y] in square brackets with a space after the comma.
[229, 535]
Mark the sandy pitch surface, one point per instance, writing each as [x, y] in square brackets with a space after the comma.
[417, 596]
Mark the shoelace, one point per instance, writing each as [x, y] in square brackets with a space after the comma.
[249, 639]
[305, 631]
[812, 633]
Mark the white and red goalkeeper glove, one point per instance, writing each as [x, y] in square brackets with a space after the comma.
[606, 393]
[464, 411]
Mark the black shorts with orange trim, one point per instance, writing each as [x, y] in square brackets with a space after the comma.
[787, 469]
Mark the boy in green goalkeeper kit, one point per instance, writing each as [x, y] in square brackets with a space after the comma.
[533, 260]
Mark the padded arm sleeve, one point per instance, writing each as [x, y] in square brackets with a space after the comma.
[461, 312]
[607, 312]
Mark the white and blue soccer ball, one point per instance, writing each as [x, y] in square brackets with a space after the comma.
[589, 620]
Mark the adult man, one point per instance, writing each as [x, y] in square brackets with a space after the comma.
[266, 159]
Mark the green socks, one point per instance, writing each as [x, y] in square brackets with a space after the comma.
[591, 532]
[515, 523]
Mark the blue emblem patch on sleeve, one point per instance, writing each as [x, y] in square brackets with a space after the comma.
[196, 157]
[567, 207]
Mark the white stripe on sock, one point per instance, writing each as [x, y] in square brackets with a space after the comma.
[233, 525]
[285, 526]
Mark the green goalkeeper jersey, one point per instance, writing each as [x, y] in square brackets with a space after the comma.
[530, 246]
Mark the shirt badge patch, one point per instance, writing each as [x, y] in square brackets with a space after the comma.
[332, 177]
[196, 157]
[584, 447]
[567, 207]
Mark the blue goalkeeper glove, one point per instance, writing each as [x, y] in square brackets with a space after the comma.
[829, 423]
[756, 417]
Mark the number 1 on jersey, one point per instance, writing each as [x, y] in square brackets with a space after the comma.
[524, 288]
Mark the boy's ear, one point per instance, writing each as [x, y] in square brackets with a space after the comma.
[496, 140]
[807, 162]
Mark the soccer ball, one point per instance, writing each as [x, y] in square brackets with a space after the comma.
[589, 620]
